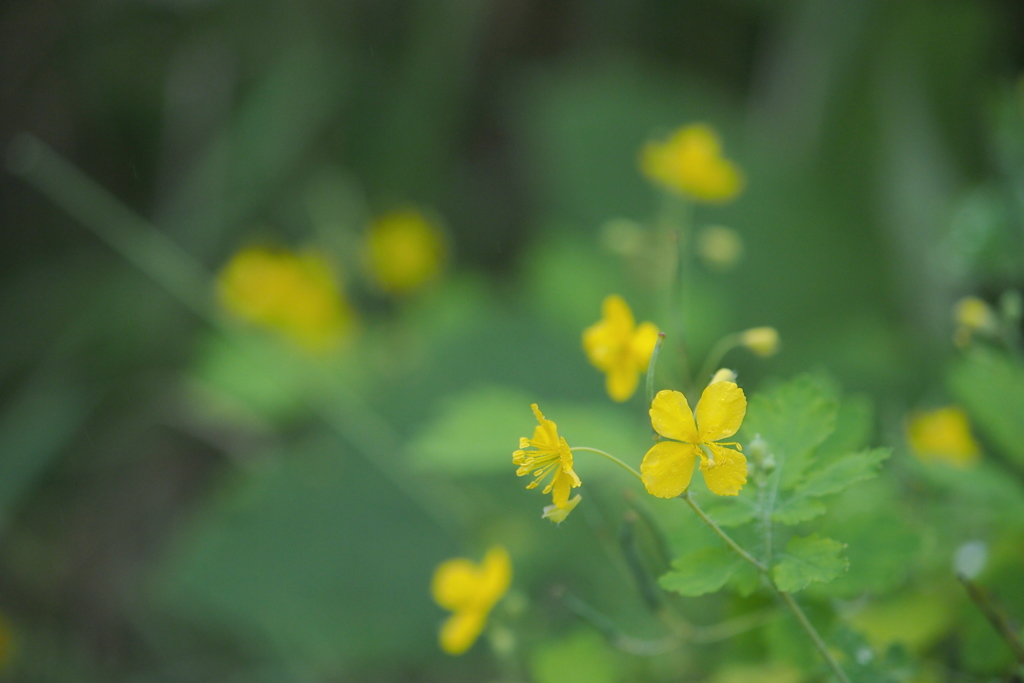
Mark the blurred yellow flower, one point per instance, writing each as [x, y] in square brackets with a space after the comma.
[943, 434]
[973, 316]
[619, 348]
[545, 453]
[690, 162]
[294, 293]
[470, 591]
[719, 247]
[764, 341]
[668, 466]
[404, 251]
[723, 375]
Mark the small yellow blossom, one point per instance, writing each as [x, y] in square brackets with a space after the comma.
[619, 348]
[690, 163]
[470, 591]
[973, 316]
[404, 251]
[668, 466]
[943, 434]
[719, 247]
[545, 453]
[764, 341]
[294, 293]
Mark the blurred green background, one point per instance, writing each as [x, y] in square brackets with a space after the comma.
[183, 497]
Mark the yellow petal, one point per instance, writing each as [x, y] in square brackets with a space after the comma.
[720, 411]
[621, 382]
[558, 514]
[642, 345]
[461, 630]
[456, 583]
[496, 570]
[668, 467]
[561, 483]
[617, 314]
[729, 473]
[671, 417]
[545, 434]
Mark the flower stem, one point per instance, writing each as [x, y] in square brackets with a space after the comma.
[716, 354]
[815, 637]
[609, 456]
[651, 365]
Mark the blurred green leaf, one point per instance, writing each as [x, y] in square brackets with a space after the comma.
[793, 419]
[476, 431]
[830, 479]
[990, 385]
[580, 656]
[35, 428]
[808, 560]
[700, 572]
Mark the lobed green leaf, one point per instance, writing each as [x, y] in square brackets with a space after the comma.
[808, 560]
[700, 572]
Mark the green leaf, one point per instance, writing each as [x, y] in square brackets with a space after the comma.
[796, 510]
[855, 425]
[991, 386]
[793, 419]
[843, 473]
[809, 560]
[730, 512]
[700, 572]
[832, 478]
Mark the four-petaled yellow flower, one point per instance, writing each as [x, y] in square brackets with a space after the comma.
[404, 251]
[620, 348]
[545, 453]
[668, 466]
[942, 434]
[690, 163]
[470, 591]
[294, 293]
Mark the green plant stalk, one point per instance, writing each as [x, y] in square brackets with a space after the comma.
[716, 354]
[651, 365]
[786, 598]
[995, 616]
[608, 456]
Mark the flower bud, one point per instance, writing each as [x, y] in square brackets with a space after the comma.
[723, 375]
[764, 341]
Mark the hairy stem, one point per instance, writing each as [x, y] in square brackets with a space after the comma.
[786, 598]
[609, 456]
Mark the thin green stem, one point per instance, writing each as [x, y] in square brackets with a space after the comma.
[651, 365]
[721, 534]
[716, 354]
[995, 616]
[786, 598]
[609, 456]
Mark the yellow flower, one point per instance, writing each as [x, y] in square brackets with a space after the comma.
[619, 348]
[668, 465]
[690, 162]
[470, 591]
[764, 341]
[545, 453]
[719, 247]
[973, 316]
[293, 293]
[943, 434]
[404, 251]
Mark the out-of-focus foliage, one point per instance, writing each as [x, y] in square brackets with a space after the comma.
[250, 401]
